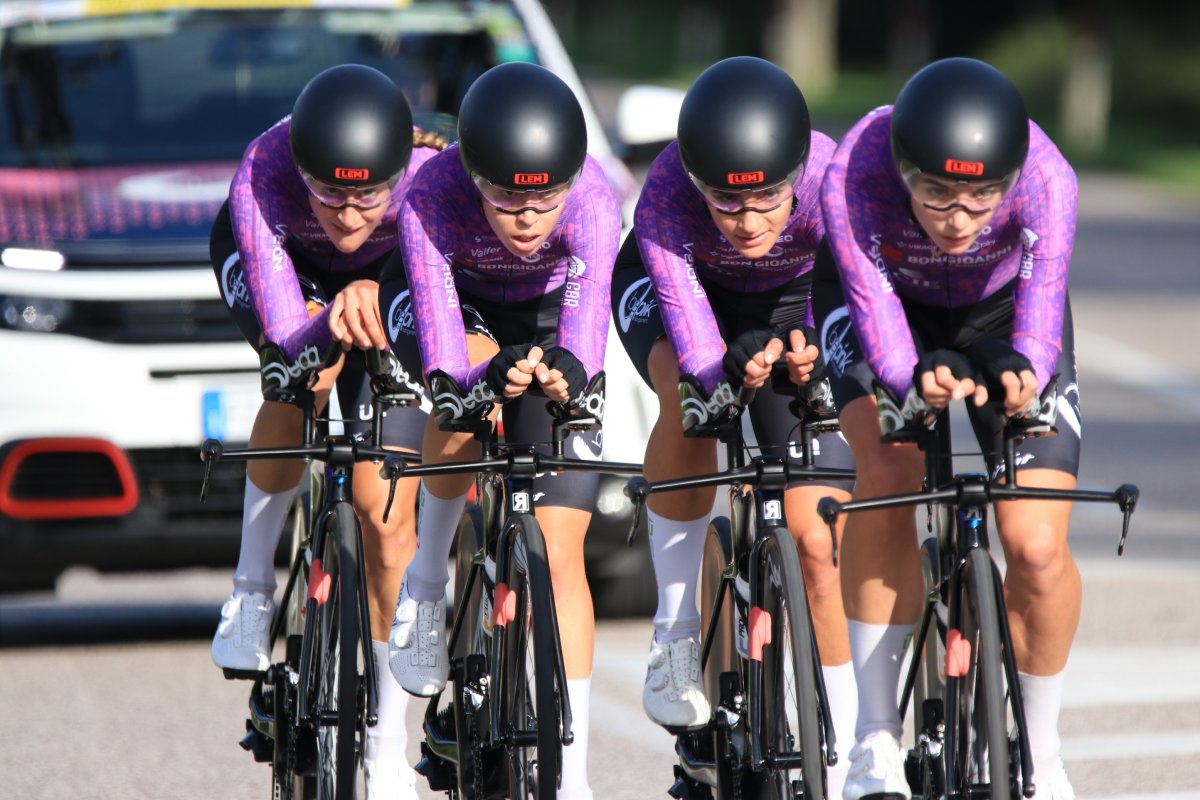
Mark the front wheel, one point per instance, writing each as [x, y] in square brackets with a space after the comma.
[527, 689]
[977, 747]
[788, 701]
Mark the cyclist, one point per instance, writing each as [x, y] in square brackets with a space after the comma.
[297, 249]
[714, 283]
[950, 220]
[507, 244]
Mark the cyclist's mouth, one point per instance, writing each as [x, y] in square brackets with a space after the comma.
[526, 242]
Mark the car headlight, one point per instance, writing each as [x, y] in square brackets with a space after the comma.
[38, 314]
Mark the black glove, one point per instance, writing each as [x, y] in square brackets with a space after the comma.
[994, 357]
[502, 362]
[960, 366]
[746, 346]
[572, 369]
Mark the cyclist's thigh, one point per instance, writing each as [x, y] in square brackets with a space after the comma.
[527, 420]
[1059, 452]
[635, 308]
[850, 376]
[402, 427]
[777, 428]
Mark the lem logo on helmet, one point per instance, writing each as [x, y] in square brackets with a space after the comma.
[351, 174]
[531, 178]
[956, 167]
[743, 178]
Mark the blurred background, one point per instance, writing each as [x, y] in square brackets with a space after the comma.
[1115, 84]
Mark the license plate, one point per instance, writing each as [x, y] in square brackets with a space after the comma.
[227, 414]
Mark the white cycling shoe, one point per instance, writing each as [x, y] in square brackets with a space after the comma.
[673, 695]
[876, 770]
[390, 779]
[242, 641]
[417, 645]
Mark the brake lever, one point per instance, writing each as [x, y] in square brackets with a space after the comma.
[210, 453]
[1127, 497]
[636, 489]
[392, 469]
[830, 509]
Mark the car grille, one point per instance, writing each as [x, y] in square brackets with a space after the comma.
[152, 321]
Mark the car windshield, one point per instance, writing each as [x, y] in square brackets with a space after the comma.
[198, 84]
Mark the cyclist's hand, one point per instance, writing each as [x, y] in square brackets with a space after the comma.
[510, 371]
[803, 359]
[1006, 373]
[354, 316]
[941, 376]
[750, 356]
[561, 375]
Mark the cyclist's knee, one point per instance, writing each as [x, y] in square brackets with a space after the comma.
[663, 367]
[1039, 556]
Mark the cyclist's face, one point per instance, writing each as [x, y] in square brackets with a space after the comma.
[753, 233]
[350, 226]
[525, 232]
[954, 213]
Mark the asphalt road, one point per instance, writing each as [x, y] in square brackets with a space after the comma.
[107, 691]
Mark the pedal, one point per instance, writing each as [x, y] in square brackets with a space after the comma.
[241, 674]
[258, 744]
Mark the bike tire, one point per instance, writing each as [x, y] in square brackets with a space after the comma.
[717, 598]
[977, 734]
[531, 718]
[790, 702]
[338, 705]
[294, 757]
[474, 771]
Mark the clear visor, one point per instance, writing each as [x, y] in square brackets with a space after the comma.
[361, 197]
[941, 194]
[762, 200]
[512, 201]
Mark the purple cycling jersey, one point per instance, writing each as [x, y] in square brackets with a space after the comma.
[270, 211]
[882, 251]
[678, 241]
[448, 244]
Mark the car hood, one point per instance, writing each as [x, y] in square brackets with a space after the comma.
[103, 207]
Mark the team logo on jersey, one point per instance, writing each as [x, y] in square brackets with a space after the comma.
[837, 345]
[636, 304]
[233, 283]
[400, 316]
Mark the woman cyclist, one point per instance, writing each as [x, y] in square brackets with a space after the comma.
[724, 237]
[507, 244]
[297, 250]
[950, 219]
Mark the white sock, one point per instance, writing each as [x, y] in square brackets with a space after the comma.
[574, 758]
[843, 707]
[437, 522]
[676, 548]
[878, 655]
[388, 738]
[263, 515]
[1042, 696]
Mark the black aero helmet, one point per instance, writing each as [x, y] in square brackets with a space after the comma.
[351, 126]
[520, 127]
[743, 125]
[962, 119]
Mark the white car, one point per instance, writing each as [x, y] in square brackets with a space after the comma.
[122, 132]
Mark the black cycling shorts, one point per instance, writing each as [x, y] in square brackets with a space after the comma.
[526, 419]
[936, 327]
[640, 325]
[402, 427]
